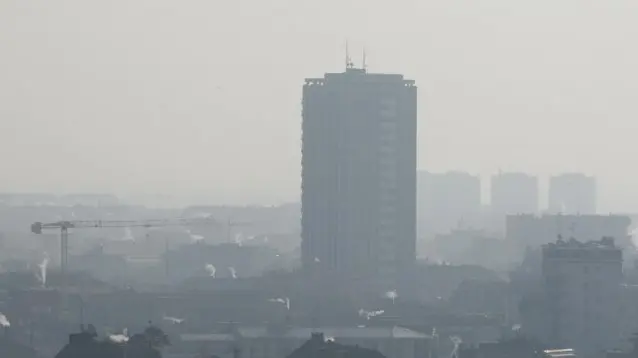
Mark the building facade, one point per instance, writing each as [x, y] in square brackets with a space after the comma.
[582, 286]
[572, 193]
[359, 172]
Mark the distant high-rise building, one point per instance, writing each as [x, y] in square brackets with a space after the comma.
[514, 193]
[581, 284]
[359, 172]
[572, 193]
[447, 201]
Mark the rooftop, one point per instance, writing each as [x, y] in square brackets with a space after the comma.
[319, 346]
[574, 250]
[606, 243]
[305, 332]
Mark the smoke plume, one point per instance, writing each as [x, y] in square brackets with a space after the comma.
[43, 267]
[456, 340]
[173, 320]
[368, 314]
[211, 270]
[285, 301]
[4, 321]
[392, 295]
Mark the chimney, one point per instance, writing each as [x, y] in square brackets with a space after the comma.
[317, 337]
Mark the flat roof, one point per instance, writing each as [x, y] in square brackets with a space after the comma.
[302, 333]
[336, 332]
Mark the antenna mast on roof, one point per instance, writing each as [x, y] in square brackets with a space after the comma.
[364, 65]
[349, 63]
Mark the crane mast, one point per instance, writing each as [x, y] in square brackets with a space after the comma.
[64, 226]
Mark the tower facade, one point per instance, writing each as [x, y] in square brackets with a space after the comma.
[582, 282]
[359, 172]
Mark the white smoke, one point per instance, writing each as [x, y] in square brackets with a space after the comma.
[194, 237]
[233, 273]
[329, 339]
[392, 295]
[456, 340]
[202, 215]
[173, 320]
[4, 321]
[633, 235]
[516, 327]
[119, 338]
[285, 301]
[368, 314]
[43, 266]
[211, 270]
[239, 239]
[128, 235]
[317, 260]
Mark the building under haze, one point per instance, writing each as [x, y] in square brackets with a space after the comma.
[447, 201]
[581, 284]
[359, 172]
[572, 193]
[514, 193]
[533, 231]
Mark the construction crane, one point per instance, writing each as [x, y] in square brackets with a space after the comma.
[64, 227]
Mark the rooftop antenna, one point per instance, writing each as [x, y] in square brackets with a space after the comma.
[364, 65]
[349, 64]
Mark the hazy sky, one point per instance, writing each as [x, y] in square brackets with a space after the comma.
[197, 97]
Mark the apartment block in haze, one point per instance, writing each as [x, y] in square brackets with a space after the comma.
[582, 285]
[359, 172]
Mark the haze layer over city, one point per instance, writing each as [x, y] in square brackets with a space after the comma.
[270, 179]
[539, 86]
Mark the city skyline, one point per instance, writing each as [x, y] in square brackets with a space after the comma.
[163, 199]
[142, 109]
[281, 178]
